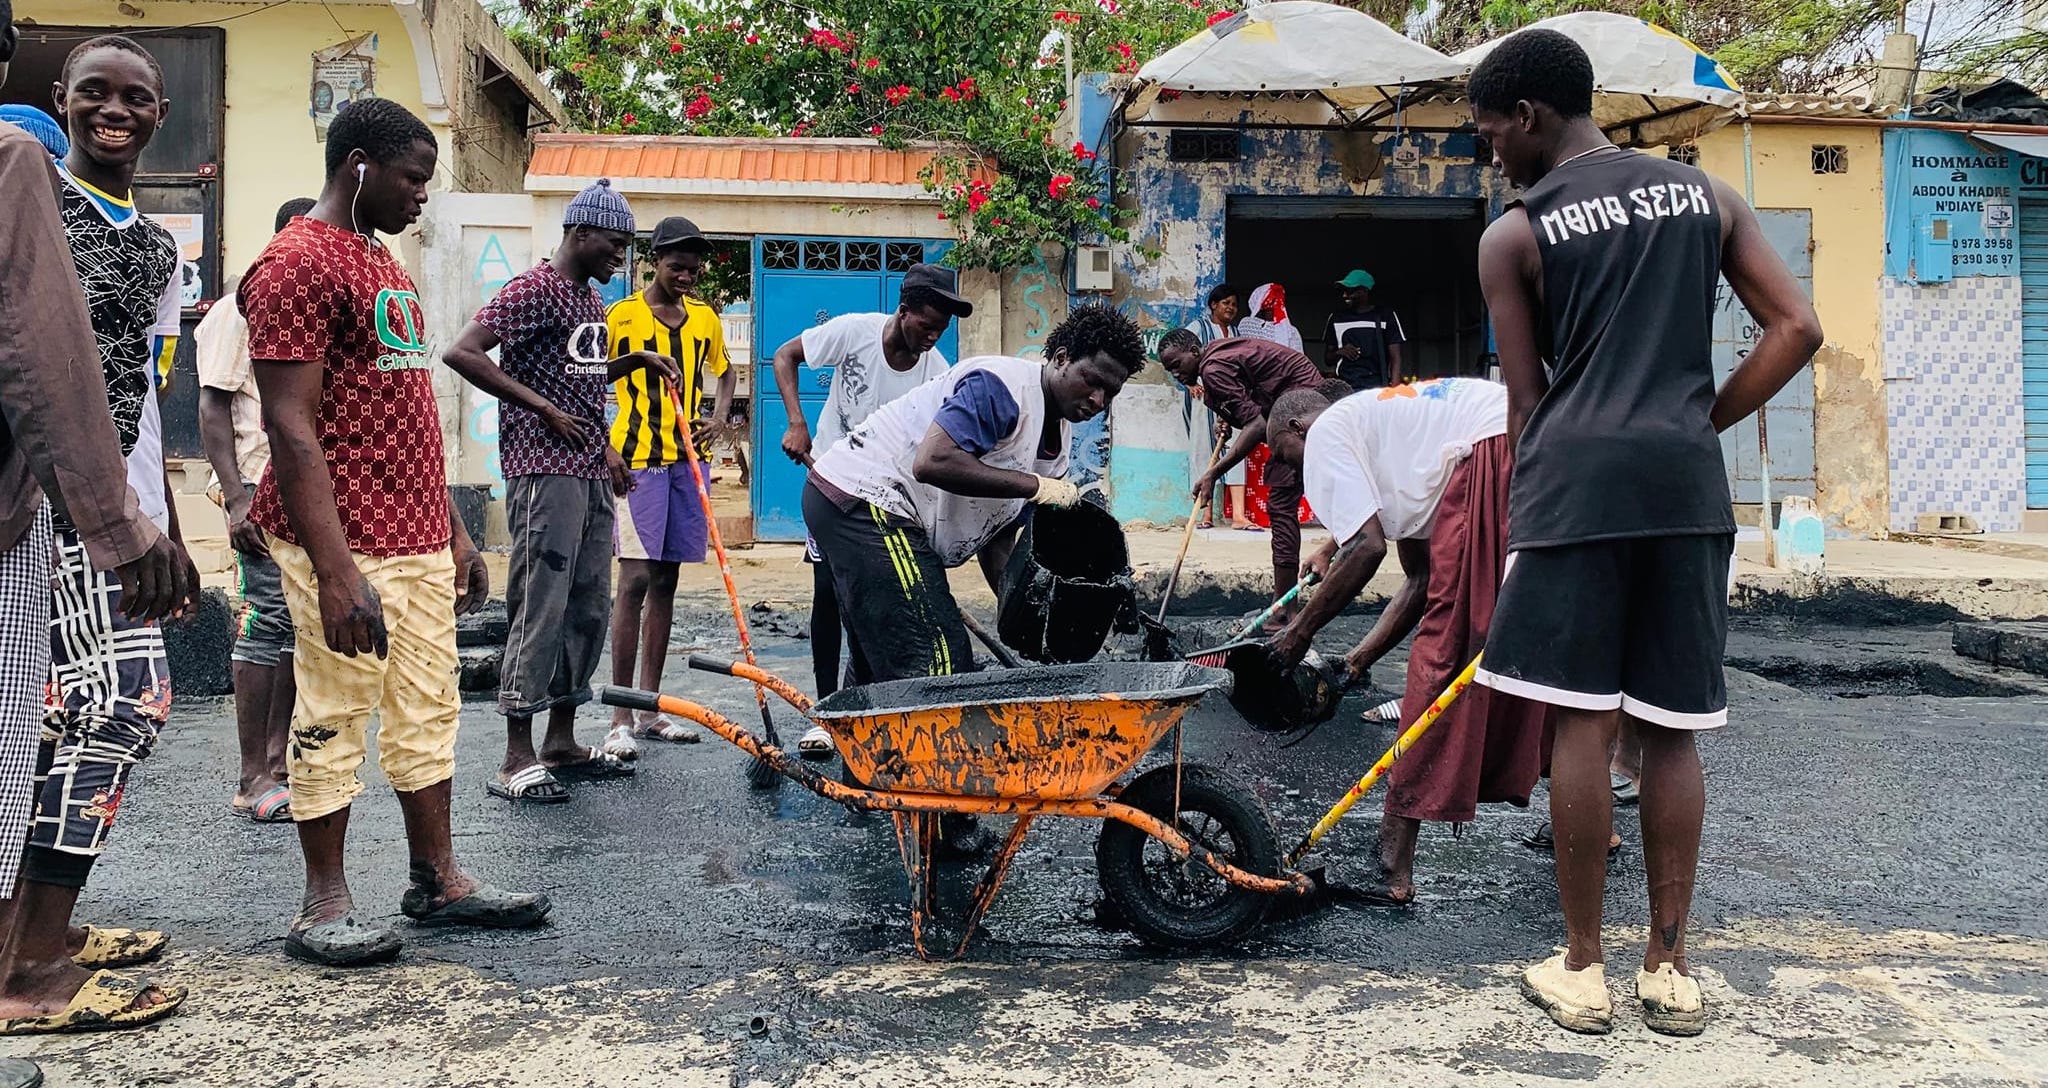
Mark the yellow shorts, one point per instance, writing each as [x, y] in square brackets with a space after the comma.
[415, 691]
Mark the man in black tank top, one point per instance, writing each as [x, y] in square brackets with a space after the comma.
[1600, 282]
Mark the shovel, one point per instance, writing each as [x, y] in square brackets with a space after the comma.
[1158, 639]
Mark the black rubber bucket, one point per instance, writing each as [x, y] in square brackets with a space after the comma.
[1273, 699]
[1067, 586]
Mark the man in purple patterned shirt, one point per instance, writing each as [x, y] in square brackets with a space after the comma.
[551, 380]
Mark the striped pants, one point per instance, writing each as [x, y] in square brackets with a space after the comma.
[900, 617]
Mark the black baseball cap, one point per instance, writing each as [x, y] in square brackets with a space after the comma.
[942, 281]
[677, 232]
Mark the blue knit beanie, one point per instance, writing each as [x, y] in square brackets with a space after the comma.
[39, 125]
[599, 207]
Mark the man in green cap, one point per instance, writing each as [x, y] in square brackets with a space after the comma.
[1362, 342]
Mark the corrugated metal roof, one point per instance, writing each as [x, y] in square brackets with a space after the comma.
[707, 163]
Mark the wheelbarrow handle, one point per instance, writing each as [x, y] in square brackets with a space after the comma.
[629, 698]
[707, 663]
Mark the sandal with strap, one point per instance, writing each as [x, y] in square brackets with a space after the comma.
[111, 947]
[106, 1001]
[534, 784]
[596, 763]
[489, 907]
[274, 807]
[662, 727]
[343, 942]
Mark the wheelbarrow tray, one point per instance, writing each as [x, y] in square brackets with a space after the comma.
[1061, 732]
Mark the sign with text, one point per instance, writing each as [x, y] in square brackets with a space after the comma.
[1950, 205]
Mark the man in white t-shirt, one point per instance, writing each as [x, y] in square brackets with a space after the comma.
[945, 474]
[874, 358]
[1425, 466]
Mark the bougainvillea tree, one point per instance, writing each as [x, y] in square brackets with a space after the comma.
[983, 78]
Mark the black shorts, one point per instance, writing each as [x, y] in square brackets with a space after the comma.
[1638, 625]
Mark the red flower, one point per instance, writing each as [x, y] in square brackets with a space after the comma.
[875, 131]
[898, 94]
[675, 46]
[1094, 203]
[998, 221]
[1123, 49]
[717, 77]
[967, 83]
[604, 34]
[871, 63]
[829, 40]
[627, 120]
[1081, 151]
[699, 106]
[753, 39]
[801, 128]
[976, 199]
[950, 94]
[1220, 16]
[853, 88]
[1058, 186]
[1068, 17]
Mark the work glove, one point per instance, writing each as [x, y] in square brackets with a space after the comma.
[1056, 492]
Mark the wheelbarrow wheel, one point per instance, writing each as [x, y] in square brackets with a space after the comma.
[1174, 903]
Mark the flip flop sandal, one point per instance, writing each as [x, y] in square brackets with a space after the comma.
[343, 942]
[1375, 894]
[1389, 711]
[111, 947]
[490, 907]
[534, 785]
[816, 743]
[619, 742]
[599, 764]
[274, 807]
[106, 1001]
[1625, 791]
[664, 729]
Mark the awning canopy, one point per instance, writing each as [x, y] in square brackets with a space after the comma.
[1350, 59]
[1650, 86]
[2033, 146]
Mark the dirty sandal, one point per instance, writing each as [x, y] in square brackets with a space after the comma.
[343, 942]
[274, 807]
[106, 1001]
[1671, 1001]
[491, 907]
[1577, 1000]
[661, 727]
[816, 744]
[534, 785]
[1389, 711]
[619, 742]
[595, 764]
[111, 947]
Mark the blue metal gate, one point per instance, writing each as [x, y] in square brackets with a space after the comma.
[2034, 339]
[1790, 418]
[800, 282]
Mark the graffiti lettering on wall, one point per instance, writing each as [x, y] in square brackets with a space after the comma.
[493, 270]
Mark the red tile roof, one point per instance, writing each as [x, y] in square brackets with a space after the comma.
[715, 159]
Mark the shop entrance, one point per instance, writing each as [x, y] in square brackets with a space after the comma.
[1423, 251]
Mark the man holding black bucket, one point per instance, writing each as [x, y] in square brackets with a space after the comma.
[1425, 466]
[947, 473]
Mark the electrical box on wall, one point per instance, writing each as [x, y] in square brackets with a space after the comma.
[1933, 250]
[1092, 269]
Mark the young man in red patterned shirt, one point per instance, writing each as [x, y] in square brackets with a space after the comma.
[356, 506]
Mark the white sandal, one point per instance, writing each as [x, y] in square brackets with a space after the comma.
[816, 744]
[619, 742]
[1389, 711]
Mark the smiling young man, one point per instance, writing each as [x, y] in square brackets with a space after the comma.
[875, 358]
[1600, 281]
[661, 522]
[944, 474]
[59, 432]
[554, 365]
[375, 563]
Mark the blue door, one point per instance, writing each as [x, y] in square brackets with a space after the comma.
[799, 283]
[2034, 345]
[1790, 414]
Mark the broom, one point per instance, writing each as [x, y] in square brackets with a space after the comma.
[760, 773]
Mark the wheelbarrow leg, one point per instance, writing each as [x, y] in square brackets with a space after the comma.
[916, 839]
[992, 882]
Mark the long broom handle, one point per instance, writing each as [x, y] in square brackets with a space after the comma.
[732, 591]
[1400, 748]
[1187, 535]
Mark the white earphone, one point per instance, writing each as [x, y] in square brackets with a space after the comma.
[361, 168]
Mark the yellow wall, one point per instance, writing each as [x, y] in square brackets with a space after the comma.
[269, 153]
[1848, 256]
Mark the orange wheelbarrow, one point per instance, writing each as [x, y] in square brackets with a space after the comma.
[1188, 857]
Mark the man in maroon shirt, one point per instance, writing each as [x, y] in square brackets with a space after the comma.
[1240, 378]
[356, 506]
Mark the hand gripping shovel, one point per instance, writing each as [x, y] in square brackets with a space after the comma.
[1158, 639]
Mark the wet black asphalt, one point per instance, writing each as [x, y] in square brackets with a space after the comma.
[1854, 801]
